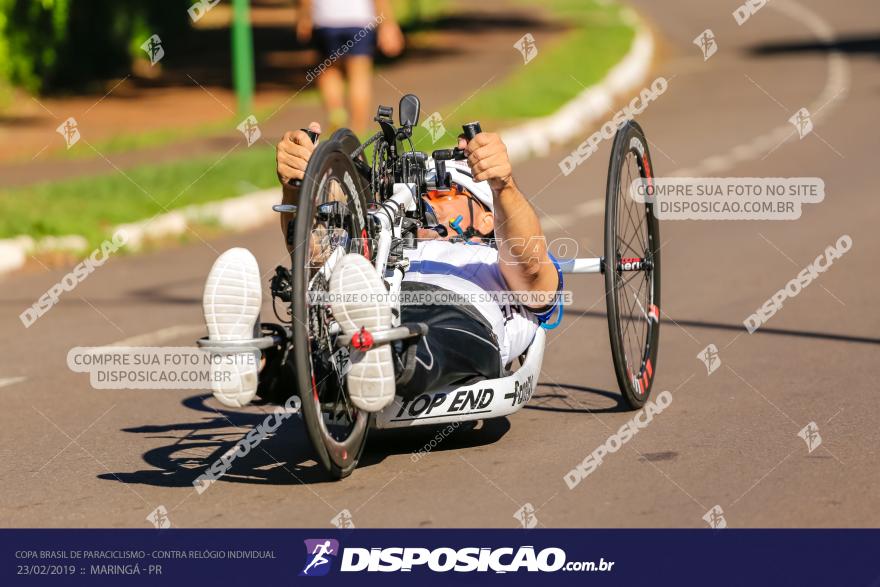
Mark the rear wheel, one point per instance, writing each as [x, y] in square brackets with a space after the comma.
[632, 267]
[330, 222]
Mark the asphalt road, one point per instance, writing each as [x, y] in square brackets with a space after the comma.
[74, 456]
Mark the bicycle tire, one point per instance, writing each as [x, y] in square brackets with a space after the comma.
[634, 328]
[320, 378]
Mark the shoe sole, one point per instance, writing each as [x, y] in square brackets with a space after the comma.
[231, 303]
[371, 374]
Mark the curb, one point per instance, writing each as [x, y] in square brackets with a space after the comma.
[531, 139]
[236, 214]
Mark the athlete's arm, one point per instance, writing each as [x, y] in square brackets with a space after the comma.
[292, 154]
[522, 247]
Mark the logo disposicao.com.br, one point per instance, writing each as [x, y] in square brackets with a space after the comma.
[320, 553]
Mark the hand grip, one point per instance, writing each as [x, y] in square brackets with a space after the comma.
[448, 154]
[471, 130]
[314, 137]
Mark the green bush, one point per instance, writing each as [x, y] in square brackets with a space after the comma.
[52, 45]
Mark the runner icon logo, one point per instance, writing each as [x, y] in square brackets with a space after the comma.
[343, 520]
[526, 516]
[153, 48]
[527, 47]
[803, 122]
[810, 435]
[715, 518]
[320, 552]
[69, 129]
[710, 358]
[434, 125]
[250, 130]
[159, 518]
[707, 44]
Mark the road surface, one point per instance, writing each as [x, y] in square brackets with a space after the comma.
[78, 457]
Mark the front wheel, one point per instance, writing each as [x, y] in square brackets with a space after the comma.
[330, 222]
[632, 267]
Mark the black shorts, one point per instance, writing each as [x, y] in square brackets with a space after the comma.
[459, 348]
[342, 41]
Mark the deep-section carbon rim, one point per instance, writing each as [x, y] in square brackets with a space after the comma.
[331, 221]
[632, 268]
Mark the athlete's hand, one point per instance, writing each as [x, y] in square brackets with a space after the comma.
[487, 157]
[292, 154]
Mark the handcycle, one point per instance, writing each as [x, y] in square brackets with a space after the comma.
[351, 204]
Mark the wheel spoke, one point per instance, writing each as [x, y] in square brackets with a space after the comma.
[330, 231]
[633, 237]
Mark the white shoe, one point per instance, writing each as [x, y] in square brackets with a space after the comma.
[371, 376]
[232, 299]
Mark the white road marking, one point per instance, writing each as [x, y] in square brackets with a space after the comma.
[837, 84]
[554, 222]
[162, 335]
[589, 208]
[11, 381]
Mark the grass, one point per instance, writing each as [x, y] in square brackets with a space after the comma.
[597, 38]
[91, 206]
[412, 13]
[126, 141]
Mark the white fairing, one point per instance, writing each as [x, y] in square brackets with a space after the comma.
[486, 399]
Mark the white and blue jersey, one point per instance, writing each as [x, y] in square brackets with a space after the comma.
[473, 271]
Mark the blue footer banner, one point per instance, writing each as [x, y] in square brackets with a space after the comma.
[441, 557]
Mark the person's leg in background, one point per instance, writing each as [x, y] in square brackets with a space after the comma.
[359, 63]
[331, 83]
[332, 88]
[359, 70]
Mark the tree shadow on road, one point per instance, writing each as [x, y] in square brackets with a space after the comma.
[419, 440]
[739, 327]
[285, 457]
[851, 45]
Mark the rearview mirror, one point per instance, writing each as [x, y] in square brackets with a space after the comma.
[408, 110]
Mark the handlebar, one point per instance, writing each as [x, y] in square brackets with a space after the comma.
[471, 130]
[440, 156]
[314, 137]
[447, 154]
